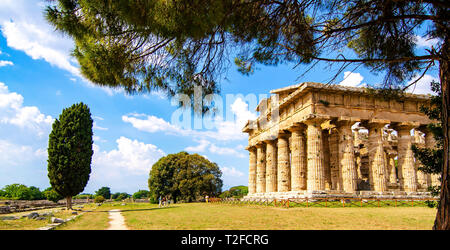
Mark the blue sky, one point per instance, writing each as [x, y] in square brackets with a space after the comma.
[38, 79]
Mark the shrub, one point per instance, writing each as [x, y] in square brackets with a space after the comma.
[99, 199]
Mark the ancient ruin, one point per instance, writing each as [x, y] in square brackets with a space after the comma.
[316, 140]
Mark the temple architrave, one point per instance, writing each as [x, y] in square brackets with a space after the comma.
[318, 140]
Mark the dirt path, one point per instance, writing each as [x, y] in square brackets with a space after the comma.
[116, 220]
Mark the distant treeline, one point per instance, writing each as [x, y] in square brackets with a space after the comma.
[235, 192]
[22, 192]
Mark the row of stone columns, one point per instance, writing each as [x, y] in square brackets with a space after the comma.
[307, 158]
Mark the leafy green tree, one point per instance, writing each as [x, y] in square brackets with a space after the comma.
[184, 177]
[174, 45]
[35, 193]
[432, 158]
[239, 191]
[51, 195]
[104, 191]
[17, 191]
[236, 192]
[99, 199]
[2, 194]
[141, 194]
[84, 196]
[120, 196]
[70, 151]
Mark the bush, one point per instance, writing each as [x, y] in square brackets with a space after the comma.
[141, 194]
[17, 192]
[51, 195]
[99, 199]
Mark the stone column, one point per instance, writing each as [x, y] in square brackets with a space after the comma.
[377, 164]
[261, 167]
[298, 156]
[422, 180]
[252, 170]
[284, 179]
[314, 151]
[391, 167]
[347, 156]
[358, 165]
[271, 166]
[326, 158]
[406, 169]
[336, 178]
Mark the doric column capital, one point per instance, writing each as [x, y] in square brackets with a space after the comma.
[297, 127]
[316, 120]
[375, 123]
[345, 121]
[250, 148]
[270, 140]
[260, 144]
[401, 126]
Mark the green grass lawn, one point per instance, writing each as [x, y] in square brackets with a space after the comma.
[198, 216]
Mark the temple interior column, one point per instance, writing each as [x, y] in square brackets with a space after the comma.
[252, 170]
[315, 172]
[406, 169]
[298, 155]
[422, 179]
[377, 164]
[271, 166]
[261, 167]
[326, 158]
[347, 156]
[284, 180]
[335, 172]
[391, 167]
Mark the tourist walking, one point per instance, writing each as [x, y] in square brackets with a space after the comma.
[160, 199]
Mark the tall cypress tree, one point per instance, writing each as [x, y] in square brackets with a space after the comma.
[70, 151]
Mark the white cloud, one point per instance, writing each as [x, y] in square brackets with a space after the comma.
[352, 79]
[131, 157]
[226, 130]
[422, 86]
[96, 126]
[226, 151]
[152, 124]
[5, 63]
[24, 27]
[205, 145]
[201, 147]
[426, 41]
[14, 155]
[13, 112]
[232, 172]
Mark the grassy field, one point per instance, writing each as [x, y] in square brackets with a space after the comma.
[31, 224]
[198, 216]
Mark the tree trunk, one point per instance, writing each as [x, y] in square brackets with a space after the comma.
[69, 203]
[443, 213]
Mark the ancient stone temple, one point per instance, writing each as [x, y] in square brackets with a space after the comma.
[313, 139]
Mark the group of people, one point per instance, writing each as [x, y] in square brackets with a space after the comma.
[163, 201]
